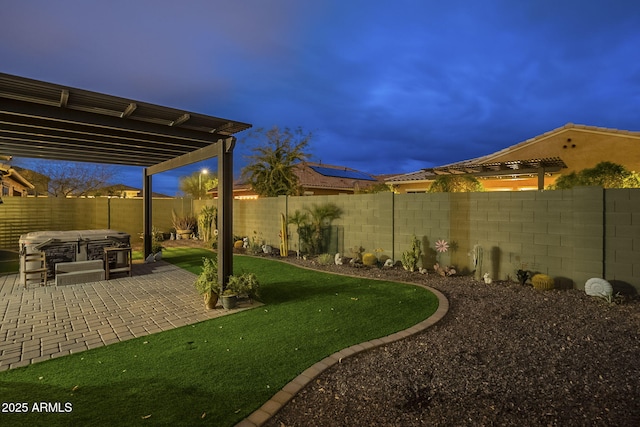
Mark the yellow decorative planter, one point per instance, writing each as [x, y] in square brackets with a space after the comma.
[542, 282]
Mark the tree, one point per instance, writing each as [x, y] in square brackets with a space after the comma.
[198, 183]
[379, 187]
[311, 224]
[73, 178]
[604, 174]
[271, 171]
[455, 184]
[321, 217]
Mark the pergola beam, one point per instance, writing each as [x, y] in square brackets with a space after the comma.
[198, 155]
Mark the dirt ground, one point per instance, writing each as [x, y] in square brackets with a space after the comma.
[504, 355]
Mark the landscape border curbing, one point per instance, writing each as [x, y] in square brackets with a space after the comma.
[263, 414]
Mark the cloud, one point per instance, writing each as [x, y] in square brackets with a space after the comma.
[382, 85]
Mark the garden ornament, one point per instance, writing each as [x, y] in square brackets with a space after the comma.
[338, 259]
[596, 287]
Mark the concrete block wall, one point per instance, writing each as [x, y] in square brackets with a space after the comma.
[537, 231]
[426, 216]
[259, 219]
[572, 235]
[622, 244]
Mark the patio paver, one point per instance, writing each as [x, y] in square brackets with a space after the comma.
[40, 323]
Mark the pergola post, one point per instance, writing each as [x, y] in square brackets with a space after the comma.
[225, 210]
[541, 178]
[147, 212]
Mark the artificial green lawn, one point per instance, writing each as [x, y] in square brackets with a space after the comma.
[218, 371]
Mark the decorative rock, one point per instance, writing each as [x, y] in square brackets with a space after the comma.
[388, 263]
[444, 271]
[596, 287]
[338, 259]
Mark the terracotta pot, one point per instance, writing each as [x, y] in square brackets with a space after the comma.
[184, 234]
[210, 300]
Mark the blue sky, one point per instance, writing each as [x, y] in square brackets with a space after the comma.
[384, 86]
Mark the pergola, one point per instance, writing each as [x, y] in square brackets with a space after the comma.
[531, 167]
[50, 121]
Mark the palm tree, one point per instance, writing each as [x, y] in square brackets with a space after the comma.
[271, 169]
[197, 184]
[300, 220]
[321, 217]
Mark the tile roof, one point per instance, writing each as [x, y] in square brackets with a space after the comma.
[311, 178]
[488, 160]
[569, 126]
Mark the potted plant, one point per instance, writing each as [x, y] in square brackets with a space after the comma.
[156, 246]
[246, 284]
[207, 283]
[156, 250]
[229, 299]
[184, 225]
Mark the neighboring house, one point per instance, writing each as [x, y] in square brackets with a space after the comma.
[537, 162]
[13, 183]
[317, 179]
[39, 181]
[123, 191]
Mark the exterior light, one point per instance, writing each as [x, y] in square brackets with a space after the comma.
[202, 172]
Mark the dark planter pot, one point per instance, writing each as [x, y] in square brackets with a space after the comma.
[229, 301]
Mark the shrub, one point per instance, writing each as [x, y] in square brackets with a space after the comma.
[604, 174]
[207, 280]
[455, 184]
[246, 284]
[325, 259]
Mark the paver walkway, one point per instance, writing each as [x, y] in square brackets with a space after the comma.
[41, 323]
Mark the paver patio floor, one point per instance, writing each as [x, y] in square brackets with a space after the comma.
[44, 322]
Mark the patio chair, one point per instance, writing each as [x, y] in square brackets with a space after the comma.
[34, 264]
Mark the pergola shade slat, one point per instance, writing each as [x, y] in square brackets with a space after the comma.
[99, 123]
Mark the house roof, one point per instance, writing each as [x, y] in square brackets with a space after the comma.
[508, 168]
[568, 127]
[119, 188]
[9, 172]
[319, 175]
[487, 165]
[46, 120]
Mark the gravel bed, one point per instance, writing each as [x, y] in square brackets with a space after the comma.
[504, 355]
